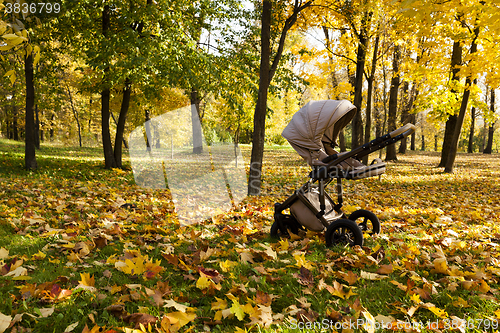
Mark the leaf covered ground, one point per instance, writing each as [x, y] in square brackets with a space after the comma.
[83, 249]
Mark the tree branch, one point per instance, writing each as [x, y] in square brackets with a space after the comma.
[290, 21]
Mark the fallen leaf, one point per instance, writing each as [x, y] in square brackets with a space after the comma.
[140, 318]
[372, 276]
[71, 327]
[246, 257]
[179, 319]
[19, 271]
[238, 310]
[179, 307]
[4, 322]
[385, 269]
[305, 277]
[263, 298]
[221, 304]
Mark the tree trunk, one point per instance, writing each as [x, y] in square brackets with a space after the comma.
[369, 97]
[120, 126]
[456, 61]
[29, 148]
[75, 114]
[109, 158]
[406, 117]
[116, 124]
[342, 146]
[491, 129]
[463, 108]
[357, 122]
[196, 122]
[147, 125]
[489, 145]
[254, 181]
[51, 131]
[37, 128]
[414, 135]
[267, 72]
[470, 147]
[393, 103]
[15, 130]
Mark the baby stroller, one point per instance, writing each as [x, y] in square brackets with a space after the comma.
[313, 132]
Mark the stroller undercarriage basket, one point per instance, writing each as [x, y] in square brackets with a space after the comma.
[311, 207]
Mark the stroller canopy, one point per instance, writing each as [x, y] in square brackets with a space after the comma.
[314, 129]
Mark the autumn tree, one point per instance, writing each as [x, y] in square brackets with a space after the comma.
[491, 127]
[16, 38]
[271, 27]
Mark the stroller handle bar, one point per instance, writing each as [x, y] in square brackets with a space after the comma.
[374, 145]
[402, 130]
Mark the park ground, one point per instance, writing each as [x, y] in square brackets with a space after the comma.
[75, 258]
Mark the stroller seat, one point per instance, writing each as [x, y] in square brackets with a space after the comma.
[357, 170]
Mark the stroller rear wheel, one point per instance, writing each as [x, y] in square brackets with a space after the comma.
[366, 220]
[343, 232]
[284, 225]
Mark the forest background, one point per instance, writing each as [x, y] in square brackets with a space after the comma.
[90, 72]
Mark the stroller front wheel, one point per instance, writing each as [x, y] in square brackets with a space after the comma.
[343, 232]
[366, 220]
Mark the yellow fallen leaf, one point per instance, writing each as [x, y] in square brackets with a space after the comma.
[416, 298]
[4, 253]
[39, 256]
[372, 276]
[71, 327]
[203, 282]
[19, 271]
[284, 245]
[179, 307]
[87, 280]
[238, 310]
[46, 312]
[350, 293]
[369, 324]
[399, 285]
[483, 287]
[437, 311]
[384, 320]
[218, 315]
[441, 266]
[301, 260]
[250, 310]
[221, 304]
[179, 319]
[336, 290]
[246, 257]
[227, 265]
[4, 322]
[460, 302]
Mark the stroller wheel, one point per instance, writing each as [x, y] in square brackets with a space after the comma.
[275, 230]
[282, 227]
[343, 232]
[366, 220]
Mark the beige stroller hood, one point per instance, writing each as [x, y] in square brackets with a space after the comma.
[314, 129]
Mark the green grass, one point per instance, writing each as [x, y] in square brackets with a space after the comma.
[72, 200]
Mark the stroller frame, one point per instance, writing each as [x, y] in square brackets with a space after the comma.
[339, 228]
